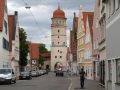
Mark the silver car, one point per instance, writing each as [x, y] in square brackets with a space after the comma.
[7, 75]
[34, 73]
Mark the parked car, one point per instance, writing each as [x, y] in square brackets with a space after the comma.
[25, 75]
[39, 72]
[7, 75]
[42, 72]
[34, 73]
[59, 72]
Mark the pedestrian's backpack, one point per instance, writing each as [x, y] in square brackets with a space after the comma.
[82, 73]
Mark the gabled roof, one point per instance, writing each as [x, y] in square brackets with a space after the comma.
[88, 15]
[34, 50]
[2, 8]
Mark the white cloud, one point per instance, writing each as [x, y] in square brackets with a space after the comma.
[38, 23]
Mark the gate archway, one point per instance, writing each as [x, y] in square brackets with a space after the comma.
[58, 65]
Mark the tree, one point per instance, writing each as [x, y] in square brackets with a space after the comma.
[23, 47]
[42, 48]
[41, 60]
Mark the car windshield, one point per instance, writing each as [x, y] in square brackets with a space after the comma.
[5, 71]
[25, 72]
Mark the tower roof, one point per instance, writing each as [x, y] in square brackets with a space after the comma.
[58, 13]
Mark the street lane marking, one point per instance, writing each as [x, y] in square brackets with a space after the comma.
[69, 88]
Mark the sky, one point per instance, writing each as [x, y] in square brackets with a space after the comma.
[37, 20]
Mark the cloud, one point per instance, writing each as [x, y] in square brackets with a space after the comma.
[37, 20]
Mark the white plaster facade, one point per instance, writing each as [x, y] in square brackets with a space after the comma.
[4, 38]
[28, 67]
[102, 42]
[113, 45]
[59, 44]
[15, 47]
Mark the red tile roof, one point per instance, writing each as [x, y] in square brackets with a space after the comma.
[11, 29]
[89, 16]
[85, 16]
[90, 19]
[45, 55]
[2, 8]
[34, 51]
[58, 13]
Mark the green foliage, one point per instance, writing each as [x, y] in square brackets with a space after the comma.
[41, 60]
[23, 47]
[42, 48]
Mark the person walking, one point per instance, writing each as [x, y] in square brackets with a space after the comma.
[82, 77]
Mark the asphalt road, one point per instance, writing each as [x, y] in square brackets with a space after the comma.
[46, 82]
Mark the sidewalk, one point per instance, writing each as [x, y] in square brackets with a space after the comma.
[89, 84]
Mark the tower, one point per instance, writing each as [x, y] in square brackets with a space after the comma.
[58, 39]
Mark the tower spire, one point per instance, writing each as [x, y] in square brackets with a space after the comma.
[58, 5]
[81, 8]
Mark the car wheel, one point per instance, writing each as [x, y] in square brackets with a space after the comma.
[15, 81]
[10, 82]
[29, 78]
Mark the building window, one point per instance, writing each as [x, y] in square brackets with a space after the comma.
[109, 4]
[52, 43]
[118, 70]
[58, 42]
[60, 56]
[5, 44]
[55, 56]
[5, 24]
[117, 2]
[87, 54]
[6, 8]
[58, 30]
[58, 50]
[58, 36]
[113, 6]
[87, 38]
[56, 22]
[34, 62]
[97, 23]
[110, 70]
[61, 52]
[60, 22]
